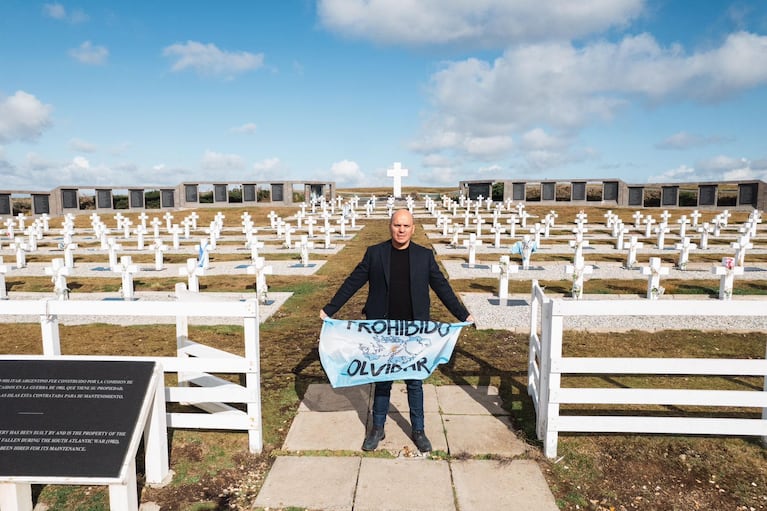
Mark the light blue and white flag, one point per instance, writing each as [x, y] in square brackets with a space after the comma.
[354, 352]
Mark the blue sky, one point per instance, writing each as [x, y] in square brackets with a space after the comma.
[158, 93]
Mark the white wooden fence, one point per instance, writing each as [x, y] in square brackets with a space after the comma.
[193, 364]
[546, 366]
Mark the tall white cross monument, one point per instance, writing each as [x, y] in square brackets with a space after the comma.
[397, 172]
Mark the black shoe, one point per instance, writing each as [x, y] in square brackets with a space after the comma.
[371, 441]
[419, 437]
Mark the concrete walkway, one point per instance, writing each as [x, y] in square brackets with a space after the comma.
[488, 466]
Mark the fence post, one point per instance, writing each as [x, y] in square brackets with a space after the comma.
[49, 324]
[253, 376]
[182, 335]
[531, 350]
[764, 410]
[552, 335]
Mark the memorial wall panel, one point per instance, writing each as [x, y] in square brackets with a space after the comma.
[69, 199]
[136, 198]
[167, 199]
[219, 193]
[104, 199]
[277, 193]
[707, 195]
[518, 191]
[579, 190]
[249, 193]
[190, 193]
[669, 196]
[41, 204]
[549, 191]
[5, 204]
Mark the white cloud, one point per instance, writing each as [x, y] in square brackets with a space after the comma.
[82, 146]
[212, 160]
[717, 168]
[267, 164]
[208, 59]
[23, 117]
[347, 173]
[473, 23]
[58, 12]
[685, 140]
[479, 106]
[89, 54]
[246, 128]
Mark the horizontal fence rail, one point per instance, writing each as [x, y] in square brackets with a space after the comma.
[547, 366]
[194, 365]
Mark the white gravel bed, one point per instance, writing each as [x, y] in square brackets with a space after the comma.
[444, 249]
[147, 270]
[514, 314]
[602, 270]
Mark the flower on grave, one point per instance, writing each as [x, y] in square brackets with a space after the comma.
[576, 290]
[727, 293]
[263, 297]
[728, 263]
[683, 266]
[657, 291]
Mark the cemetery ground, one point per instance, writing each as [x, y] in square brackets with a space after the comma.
[215, 471]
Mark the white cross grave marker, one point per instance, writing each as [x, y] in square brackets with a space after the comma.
[397, 172]
[305, 245]
[504, 269]
[727, 271]
[260, 269]
[578, 271]
[684, 248]
[654, 271]
[472, 243]
[58, 272]
[631, 256]
[192, 271]
[126, 268]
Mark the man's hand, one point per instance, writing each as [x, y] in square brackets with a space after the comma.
[470, 319]
[322, 314]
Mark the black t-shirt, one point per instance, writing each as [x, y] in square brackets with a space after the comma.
[400, 303]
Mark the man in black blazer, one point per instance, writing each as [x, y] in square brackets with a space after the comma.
[399, 274]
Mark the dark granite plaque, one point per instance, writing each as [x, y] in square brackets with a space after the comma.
[579, 190]
[190, 193]
[69, 418]
[166, 199]
[104, 199]
[249, 193]
[219, 193]
[41, 204]
[5, 204]
[549, 191]
[669, 196]
[477, 189]
[707, 195]
[136, 198]
[277, 193]
[610, 191]
[636, 196]
[747, 194]
[518, 191]
[69, 199]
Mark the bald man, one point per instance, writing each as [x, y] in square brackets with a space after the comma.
[399, 274]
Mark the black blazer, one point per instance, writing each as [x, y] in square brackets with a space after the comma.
[374, 270]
